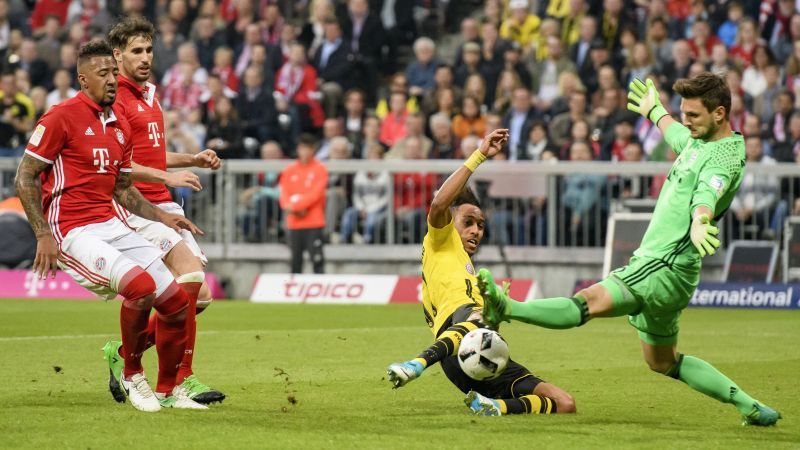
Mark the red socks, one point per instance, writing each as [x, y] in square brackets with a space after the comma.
[171, 307]
[190, 283]
[137, 288]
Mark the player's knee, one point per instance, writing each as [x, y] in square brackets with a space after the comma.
[138, 286]
[660, 366]
[171, 305]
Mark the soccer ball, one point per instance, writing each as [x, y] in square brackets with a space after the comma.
[483, 354]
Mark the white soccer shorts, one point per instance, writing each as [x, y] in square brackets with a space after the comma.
[160, 235]
[98, 255]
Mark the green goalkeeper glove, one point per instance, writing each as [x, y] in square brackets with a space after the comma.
[703, 235]
[643, 99]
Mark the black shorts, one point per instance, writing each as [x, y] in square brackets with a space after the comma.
[514, 382]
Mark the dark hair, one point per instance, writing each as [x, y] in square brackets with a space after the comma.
[466, 197]
[711, 89]
[307, 140]
[95, 47]
[128, 28]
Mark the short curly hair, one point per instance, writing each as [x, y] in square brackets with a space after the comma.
[128, 28]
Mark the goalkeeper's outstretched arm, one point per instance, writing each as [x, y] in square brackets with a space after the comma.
[491, 145]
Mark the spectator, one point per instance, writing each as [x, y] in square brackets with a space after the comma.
[470, 32]
[215, 90]
[244, 16]
[295, 91]
[784, 47]
[252, 37]
[476, 87]
[615, 17]
[224, 131]
[754, 80]
[778, 126]
[184, 135]
[702, 41]
[256, 107]
[354, 118]
[262, 213]
[746, 42]
[331, 129]
[492, 54]
[561, 124]
[444, 143]
[470, 120]
[793, 70]
[641, 64]
[470, 64]
[420, 73]
[581, 199]
[364, 32]
[271, 23]
[333, 62]
[789, 151]
[413, 193]
[606, 114]
[521, 27]
[49, 44]
[579, 51]
[571, 14]
[16, 116]
[302, 199]
[68, 59]
[38, 97]
[372, 131]
[30, 62]
[339, 189]
[277, 54]
[398, 83]
[183, 91]
[370, 199]
[599, 56]
[568, 84]
[223, 68]
[546, 74]
[313, 32]
[393, 127]
[444, 79]
[720, 63]
[518, 121]
[678, 67]
[415, 128]
[165, 48]
[738, 113]
[659, 42]
[538, 142]
[623, 135]
[579, 132]
[504, 95]
[208, 40]
[47, 8]
[632, 186]
[763, 105]
[728, 31]
[606, 80]
[63, 88]
[757, 196]
[512, 61]
[445, 102]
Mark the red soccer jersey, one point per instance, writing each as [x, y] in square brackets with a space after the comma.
[87, 151]
[143, 112]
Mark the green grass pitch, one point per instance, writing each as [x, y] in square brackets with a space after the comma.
[333, 394]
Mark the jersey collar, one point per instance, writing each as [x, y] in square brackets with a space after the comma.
[146, 92]
[98, 110]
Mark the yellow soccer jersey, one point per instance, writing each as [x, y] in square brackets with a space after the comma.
[448, 276]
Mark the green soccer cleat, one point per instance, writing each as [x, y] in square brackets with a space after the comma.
[401, 374]
[115, 366]
[178, 399]
[199, 392]
[762, 416]
[495, 299]
[480, 405]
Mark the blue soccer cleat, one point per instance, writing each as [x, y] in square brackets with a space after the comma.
[401, 374]
[482, 406]
[762, 416]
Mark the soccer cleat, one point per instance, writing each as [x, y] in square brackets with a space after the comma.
[495, 299]
[115, 366]
[762, 416]
[401, 374]
[179, 399]
[140, 394]
[480, 405]
[201, 393]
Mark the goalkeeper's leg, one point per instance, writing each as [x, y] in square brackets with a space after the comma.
[705, 378]
[445, 345]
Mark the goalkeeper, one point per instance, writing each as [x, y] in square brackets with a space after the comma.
[452, 308]
[662, 275]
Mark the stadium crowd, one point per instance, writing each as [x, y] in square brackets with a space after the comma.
[427, 79]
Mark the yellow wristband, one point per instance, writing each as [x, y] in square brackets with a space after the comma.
[474, 160]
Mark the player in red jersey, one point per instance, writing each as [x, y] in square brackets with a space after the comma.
[80, 152]
[132, 41]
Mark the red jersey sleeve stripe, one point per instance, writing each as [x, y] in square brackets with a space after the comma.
[39, 157]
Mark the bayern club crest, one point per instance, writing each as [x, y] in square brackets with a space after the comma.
[120, 137]
[470, 269]
[100, 264]
[165, 245]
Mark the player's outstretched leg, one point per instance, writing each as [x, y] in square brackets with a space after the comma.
[527, 404]
[555, 313]
[705, 378]
[446, 345]
[111, 353]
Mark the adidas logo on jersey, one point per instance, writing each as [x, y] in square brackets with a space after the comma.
[89, 132]
[139, 107]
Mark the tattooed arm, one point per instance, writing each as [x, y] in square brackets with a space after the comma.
[130, 197]
[29, 190]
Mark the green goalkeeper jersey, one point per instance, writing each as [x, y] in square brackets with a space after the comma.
[705, 173]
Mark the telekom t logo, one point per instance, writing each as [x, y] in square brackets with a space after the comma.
[152, 133]
[101, 159]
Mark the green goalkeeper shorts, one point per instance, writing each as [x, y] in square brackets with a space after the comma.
[653, 294]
